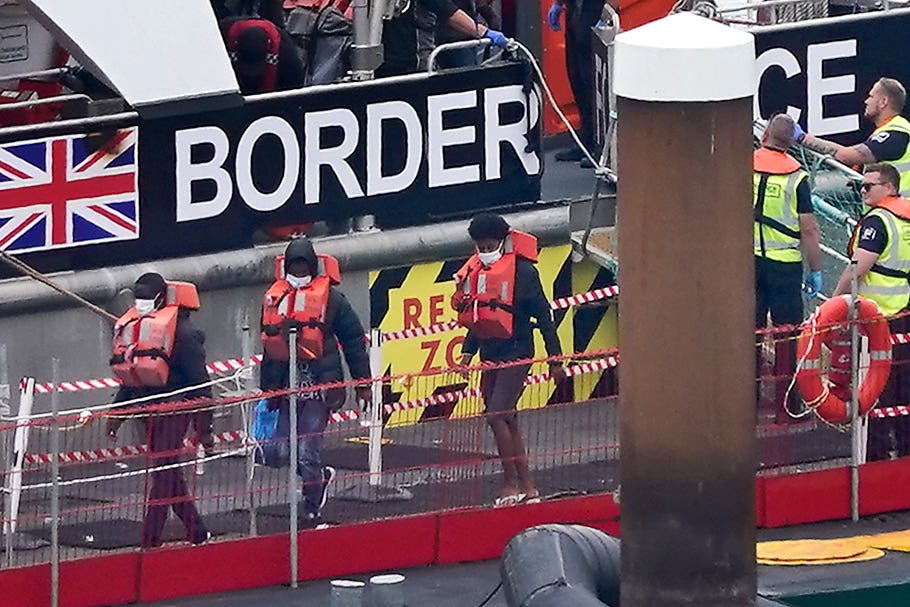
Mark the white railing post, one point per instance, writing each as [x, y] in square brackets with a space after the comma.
[292, 443]
[20, 446]
[246, 414]
[55, 484]
[854, 395]
[375, 439]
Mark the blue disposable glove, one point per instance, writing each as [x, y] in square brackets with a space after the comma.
[553, 16]
[813, 285]
[798, 133]
[497, 38]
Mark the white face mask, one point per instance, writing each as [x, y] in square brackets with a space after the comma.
[298, 282]
[490, 258]
[144, 307]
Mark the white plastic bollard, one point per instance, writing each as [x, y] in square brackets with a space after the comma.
[347, 593]
[387, 590]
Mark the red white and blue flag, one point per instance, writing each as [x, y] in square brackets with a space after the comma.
[57, 193]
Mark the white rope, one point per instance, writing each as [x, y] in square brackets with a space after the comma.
[810, 407]
[108, 477]
[598, 168]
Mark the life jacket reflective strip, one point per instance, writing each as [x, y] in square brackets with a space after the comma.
[901, 125]
[887, 282]
[143, 344]
[775, 180]
[484, 295]
[306, 308]
[269, 79]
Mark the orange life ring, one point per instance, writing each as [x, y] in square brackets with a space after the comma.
[822, 328]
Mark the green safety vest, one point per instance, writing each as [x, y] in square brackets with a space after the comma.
[774, 183]
[887, 283]
[899, 124]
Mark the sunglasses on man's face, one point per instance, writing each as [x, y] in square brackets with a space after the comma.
[868, 185]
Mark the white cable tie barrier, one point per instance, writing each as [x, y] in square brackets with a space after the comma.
[557, 304]
[96, 455]
[214, 368]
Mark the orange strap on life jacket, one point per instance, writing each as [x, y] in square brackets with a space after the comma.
[269, 80]
[826, 326]
[284, 307]
[484, 296]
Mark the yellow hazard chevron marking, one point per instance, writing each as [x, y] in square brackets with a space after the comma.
[421, 301]
[604, 336]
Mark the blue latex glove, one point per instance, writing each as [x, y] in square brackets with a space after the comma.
[553, 16]
[813, 284]
[497, 38]
[798, 133]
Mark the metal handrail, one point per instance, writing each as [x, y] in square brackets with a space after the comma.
[36, 74]
[44, 101]
[454, 46]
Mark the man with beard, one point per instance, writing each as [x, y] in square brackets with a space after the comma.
[889, 142]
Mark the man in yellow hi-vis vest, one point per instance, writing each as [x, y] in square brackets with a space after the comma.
[890, 141]
[785, 228]
[881, 248]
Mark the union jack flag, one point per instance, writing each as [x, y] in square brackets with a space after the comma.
[58, 192]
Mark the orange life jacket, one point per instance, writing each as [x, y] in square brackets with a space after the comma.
[269, 80]
[284, 307]
[143, 344]
[897, 206]
[484, 296]
[774, 162]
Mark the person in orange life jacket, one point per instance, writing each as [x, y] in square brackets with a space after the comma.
[324, 320]
[784, 226]
[263, 55]
[502, 387]
[890, 141]
[882, 255]
[165, 431]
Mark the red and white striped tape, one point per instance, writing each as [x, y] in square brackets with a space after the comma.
[558, 304]
[214, 368]
[97, 455]
[900, 338]
[233, 364]
[897, 411]
[449, 397]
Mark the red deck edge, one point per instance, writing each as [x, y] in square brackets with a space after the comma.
[480, 534]
[426, 539]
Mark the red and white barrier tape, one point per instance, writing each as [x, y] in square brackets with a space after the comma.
[897, 411]
[900, 338]
[97, 455]
[214, 368]
[233, 364]
[558, 304]
[449, 397]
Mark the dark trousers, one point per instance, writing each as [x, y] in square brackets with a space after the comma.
[893, 433]
[778, 288]
[581, 16]
[168, 487]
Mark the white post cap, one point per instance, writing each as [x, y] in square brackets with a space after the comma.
[684, 57]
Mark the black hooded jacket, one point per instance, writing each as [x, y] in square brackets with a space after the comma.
[343, 327]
